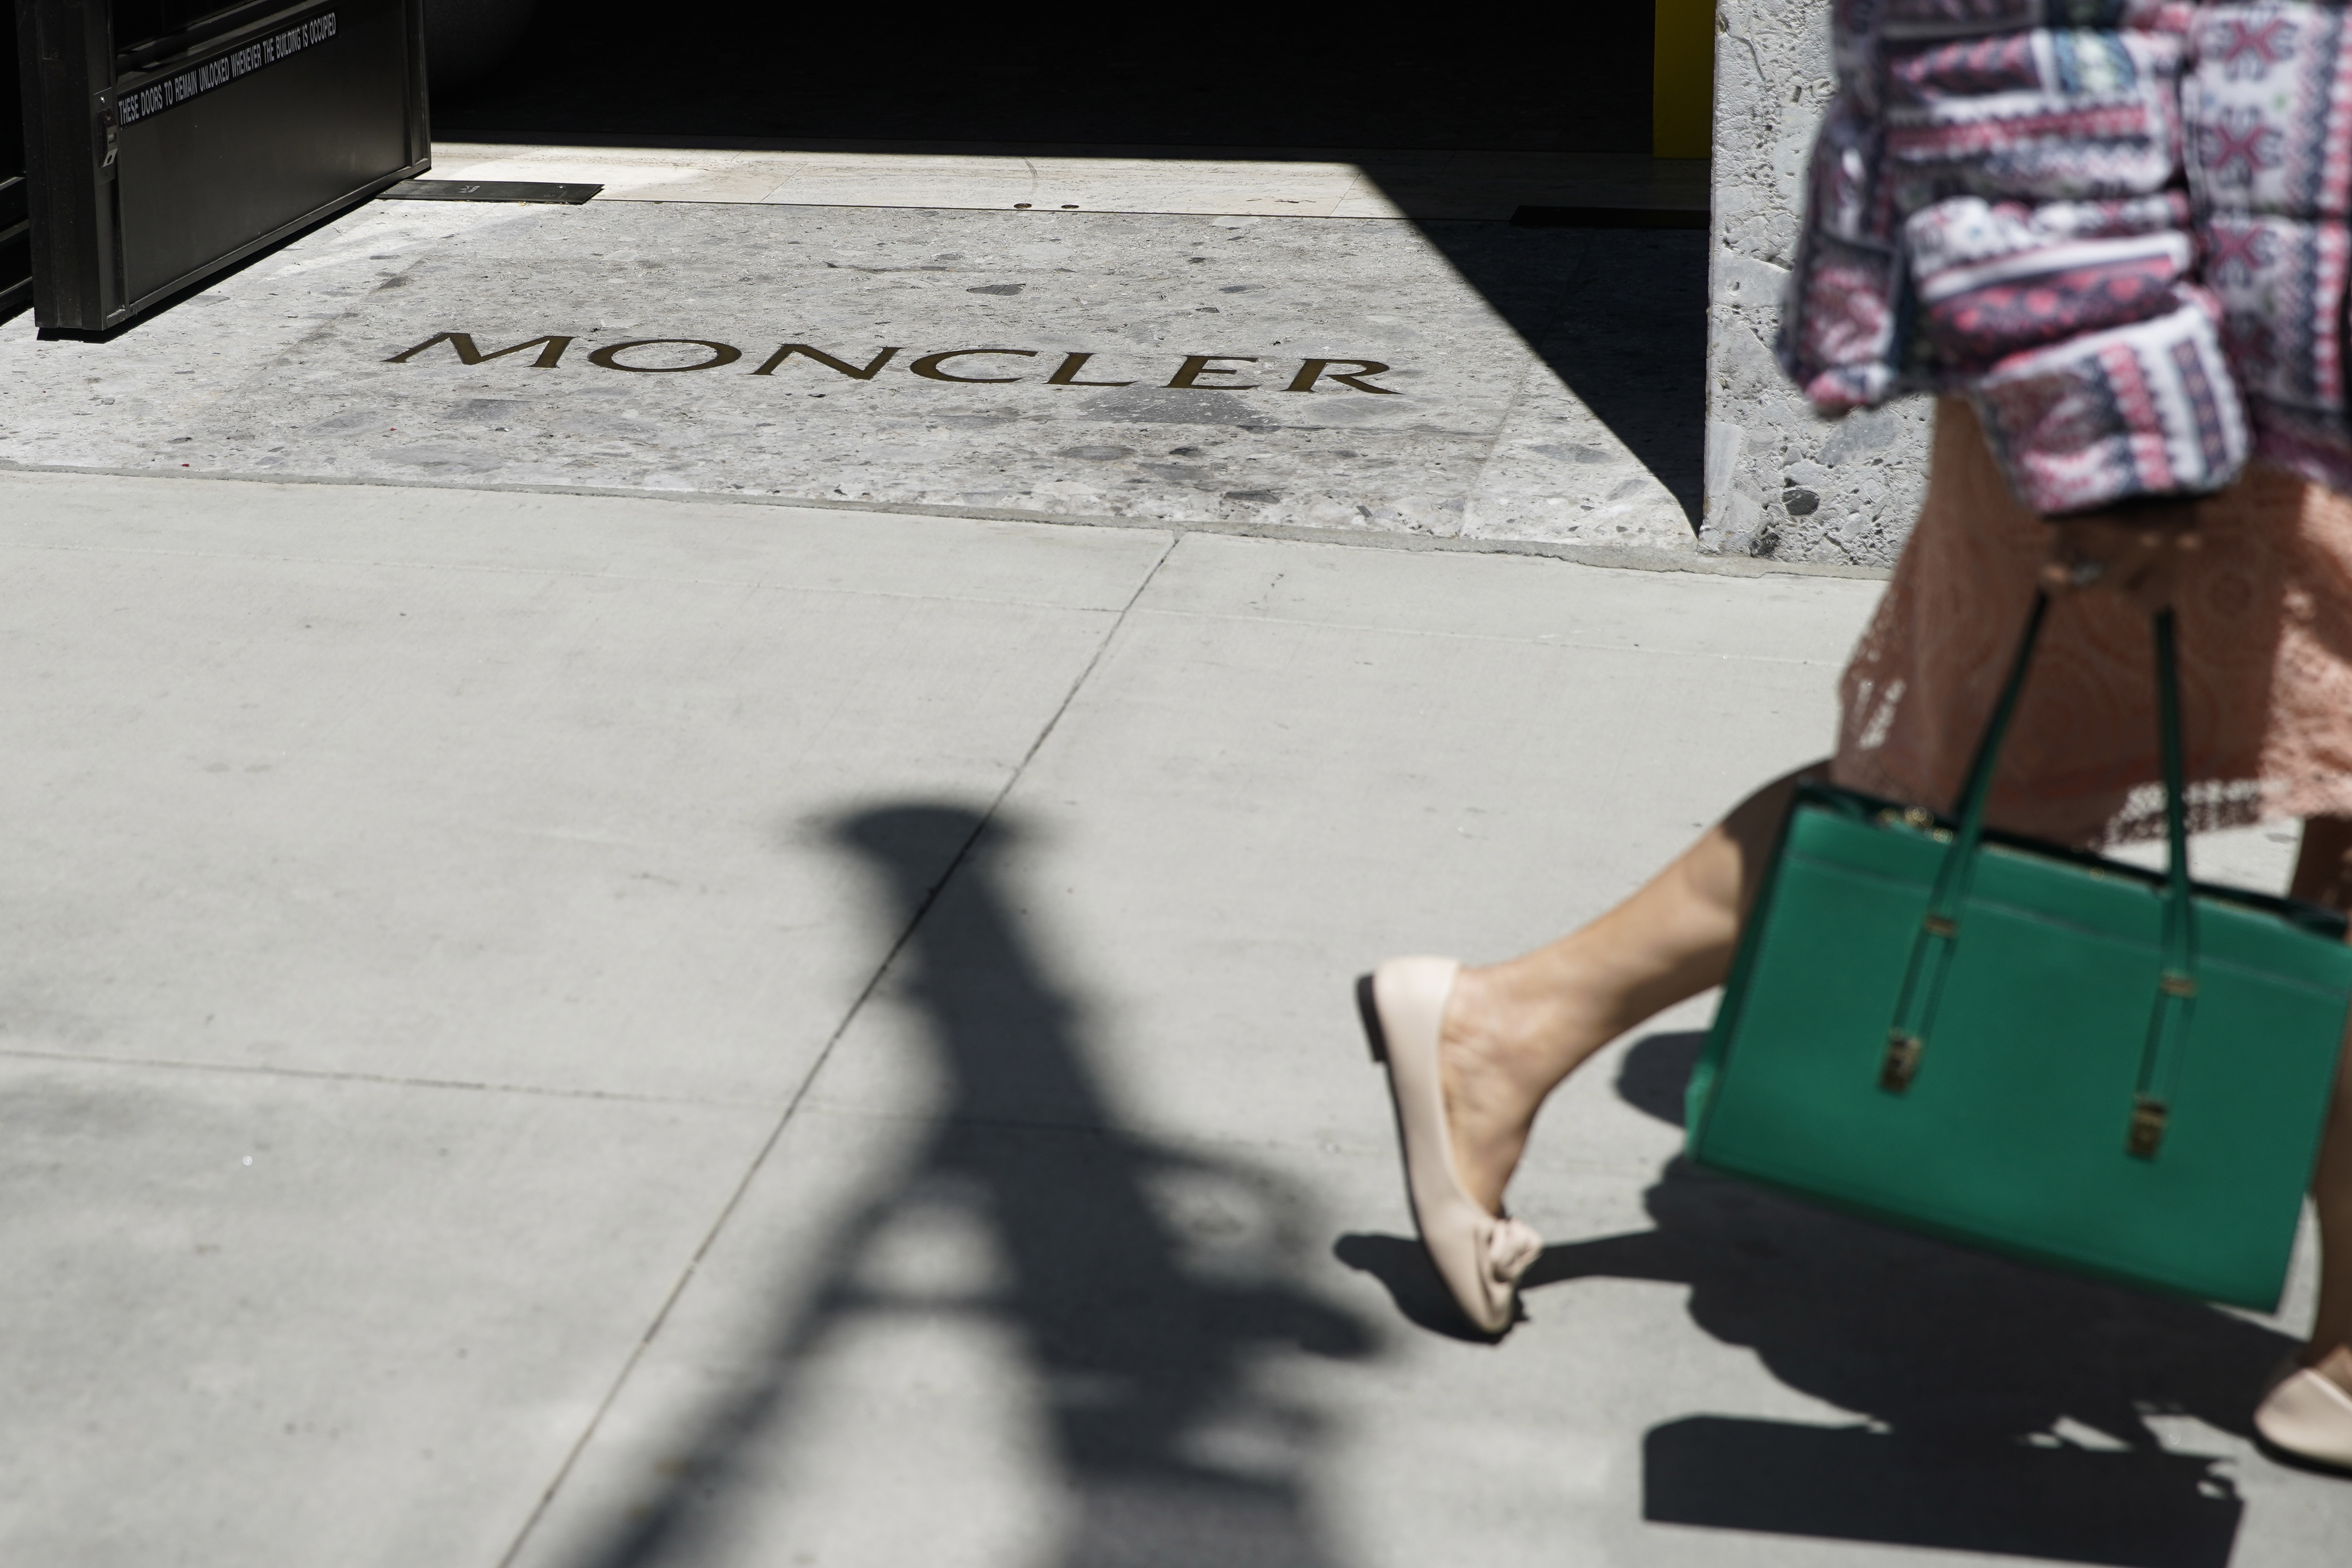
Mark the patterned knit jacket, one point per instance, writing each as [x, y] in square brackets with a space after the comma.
[2118, 225]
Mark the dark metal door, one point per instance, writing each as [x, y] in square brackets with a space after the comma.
[16, 223]
[167, 140]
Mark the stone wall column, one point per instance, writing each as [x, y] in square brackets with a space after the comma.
[1781, 482]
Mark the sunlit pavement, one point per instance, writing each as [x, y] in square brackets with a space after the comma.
[597, 1032]
[1204, 345]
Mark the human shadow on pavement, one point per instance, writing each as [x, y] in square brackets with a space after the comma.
[2002, 1408]
[1142, 1285]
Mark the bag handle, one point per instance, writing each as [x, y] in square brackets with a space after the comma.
[1931, 950]
[2175, 984]
[1939, 929]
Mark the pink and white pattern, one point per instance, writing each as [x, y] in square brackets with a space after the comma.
[2120, 226]
[2268, 110]
[2138, 410]
[1994, 280]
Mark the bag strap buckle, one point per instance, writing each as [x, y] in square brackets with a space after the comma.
[1901, 1063]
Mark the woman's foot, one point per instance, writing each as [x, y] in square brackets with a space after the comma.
[1514, 1030]
[1479, 1252]
[2308, 1415]
[1507, 1041]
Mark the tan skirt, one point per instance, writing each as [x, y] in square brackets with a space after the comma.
[2266, 639]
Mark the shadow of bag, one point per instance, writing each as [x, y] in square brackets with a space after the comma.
[2126, 1508]
[2024, 1047]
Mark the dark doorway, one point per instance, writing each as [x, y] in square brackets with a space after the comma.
[1521, 77]
[1619, 318]
[15, 225]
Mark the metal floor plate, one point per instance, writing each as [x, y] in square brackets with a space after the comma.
[491, 191]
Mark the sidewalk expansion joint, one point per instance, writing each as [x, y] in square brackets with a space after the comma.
[1618, 557]
[1539, 639]
[391, 1080]
[497, 569]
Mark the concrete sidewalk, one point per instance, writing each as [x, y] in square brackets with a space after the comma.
[595, 1032]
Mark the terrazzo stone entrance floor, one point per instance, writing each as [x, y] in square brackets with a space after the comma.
[571, 1031]
[1449, 379]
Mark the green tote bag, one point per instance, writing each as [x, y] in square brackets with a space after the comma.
[2026, 1048]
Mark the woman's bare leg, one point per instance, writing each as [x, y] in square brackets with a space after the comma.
[1514, 1030]
[2323, 875]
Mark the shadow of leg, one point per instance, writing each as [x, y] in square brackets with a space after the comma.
[1136, 1334]
[1140, 1284]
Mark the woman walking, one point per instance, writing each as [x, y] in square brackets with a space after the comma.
[2112, 236]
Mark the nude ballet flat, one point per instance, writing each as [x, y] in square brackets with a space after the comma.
[2310, 1418]
[1480, 1255]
